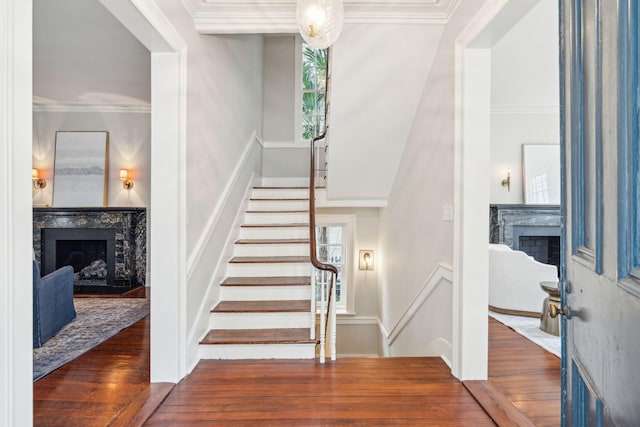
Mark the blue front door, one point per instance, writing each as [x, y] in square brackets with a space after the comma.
[601, 207]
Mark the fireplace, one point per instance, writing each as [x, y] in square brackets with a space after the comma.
[90, 251]
[533, 229]
[105, 246]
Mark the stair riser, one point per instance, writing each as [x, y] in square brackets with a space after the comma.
[259, 320]
[274, 233]
[260, 270]
[297, 249]
[258, 351]
[278, 205]
[279, 193]
[276, 218]
[264, 293]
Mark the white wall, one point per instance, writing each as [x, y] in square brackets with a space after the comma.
[378, 75]
[224, 118]
[524, 96]
[279, 69]
[129, 148]
[84, 56]
[416, 244]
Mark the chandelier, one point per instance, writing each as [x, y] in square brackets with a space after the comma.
[320, 21]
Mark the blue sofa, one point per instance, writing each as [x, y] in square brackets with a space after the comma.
[52, 303]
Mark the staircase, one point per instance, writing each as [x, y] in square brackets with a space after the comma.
[265, 301]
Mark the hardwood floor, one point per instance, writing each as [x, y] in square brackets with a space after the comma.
[108, 386]
[528, 375]
[360, 392]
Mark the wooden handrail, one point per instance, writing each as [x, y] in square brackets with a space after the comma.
[312, 195]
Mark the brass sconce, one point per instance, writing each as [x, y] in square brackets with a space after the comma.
[366, 259]
[507, 181]
[127, 183]
[38, 183]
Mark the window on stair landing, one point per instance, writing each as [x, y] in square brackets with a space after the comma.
[330, 245]
[314, 76]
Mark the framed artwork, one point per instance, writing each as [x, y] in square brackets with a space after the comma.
[541, 174]
[79, 173]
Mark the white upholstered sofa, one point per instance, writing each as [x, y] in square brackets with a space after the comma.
[514, 281]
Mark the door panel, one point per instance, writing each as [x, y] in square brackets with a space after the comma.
[601, 342]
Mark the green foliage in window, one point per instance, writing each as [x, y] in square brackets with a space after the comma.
[314, 77]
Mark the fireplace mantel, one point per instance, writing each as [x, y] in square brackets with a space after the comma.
[503, 219]
[130, 228]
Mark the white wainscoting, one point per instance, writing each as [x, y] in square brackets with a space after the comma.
[425, 328]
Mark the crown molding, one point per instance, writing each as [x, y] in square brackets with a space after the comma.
[279, 16]
[81, 107]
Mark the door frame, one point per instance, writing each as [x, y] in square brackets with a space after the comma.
[167, 210]
[471, 187]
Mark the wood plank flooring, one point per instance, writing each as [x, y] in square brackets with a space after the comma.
[359, 392]
[108, 386]
[528, 375]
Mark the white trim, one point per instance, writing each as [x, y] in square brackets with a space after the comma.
[443, 273]
[322, 202]
[80, 107]
[167, 213]
[525, 109]
[16, 309]
[200, 245]
[357, 355]
[347, 319]
[278, 16]
[285, 144]
[472, 106]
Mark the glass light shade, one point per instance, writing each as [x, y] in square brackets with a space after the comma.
[320, 21]
[124, 174]
[34, 173]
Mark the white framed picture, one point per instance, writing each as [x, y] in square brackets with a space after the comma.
[79, 174]
[541, 174]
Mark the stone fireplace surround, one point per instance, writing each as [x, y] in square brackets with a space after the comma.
[539, 223]
[128, 251]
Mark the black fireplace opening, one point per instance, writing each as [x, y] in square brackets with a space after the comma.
[544, 249]
[87, 257]
[91, 253]
[542, 242]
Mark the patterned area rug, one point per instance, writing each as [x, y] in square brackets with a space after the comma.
[529, 328]
[98, 320]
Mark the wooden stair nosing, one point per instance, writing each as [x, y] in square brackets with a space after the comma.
[269, 260]
[284, 306]
[268, 281]
[279, 212]
[258, 336]
[496, 405]
[272, 242]
[278, 199]
[288, 225]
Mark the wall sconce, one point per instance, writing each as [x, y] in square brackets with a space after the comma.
[507, 181]
[38, 183]
[127, 183]
[366, 259]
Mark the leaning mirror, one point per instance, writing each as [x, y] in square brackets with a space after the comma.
[81, 160]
